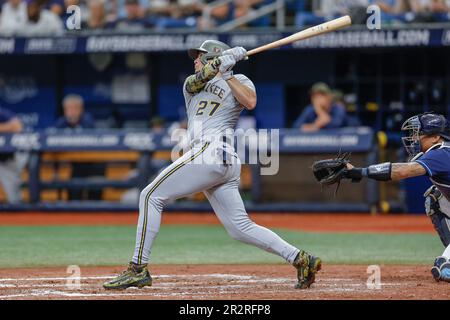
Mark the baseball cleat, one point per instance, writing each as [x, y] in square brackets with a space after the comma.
[436, 270]
[445, 272]
[307, 266]
[436, 273]
[135, 276]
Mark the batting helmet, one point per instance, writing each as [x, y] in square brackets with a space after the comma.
[428, 123]
[210, 48]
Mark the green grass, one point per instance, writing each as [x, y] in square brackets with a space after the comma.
[26, 246]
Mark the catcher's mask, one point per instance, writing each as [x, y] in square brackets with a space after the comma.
[210, 48]
[428, 123]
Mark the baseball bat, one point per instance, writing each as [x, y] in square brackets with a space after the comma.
[305, 34]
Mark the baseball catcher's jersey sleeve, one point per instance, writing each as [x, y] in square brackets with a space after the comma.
[436, 162]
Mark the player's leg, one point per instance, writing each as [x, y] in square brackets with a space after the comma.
[229, 208]
[10, 180]
[185, 176]
[441, 268]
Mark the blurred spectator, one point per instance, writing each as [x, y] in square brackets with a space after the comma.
[56, 6]
[135, 20]
[175, 13]
[97, 15]
[9, 168]
[218, 16]
[414, 10]
[393, 10]
[429, 10]
[75, 118]
[323, 113]
[158, 125]
[39, 21]
[13, 17]
[122, 11]
[243, 7]
[314, 12]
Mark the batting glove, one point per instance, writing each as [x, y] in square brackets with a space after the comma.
[239, 53]
[226, 65]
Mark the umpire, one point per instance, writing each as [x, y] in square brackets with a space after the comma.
[9, 168]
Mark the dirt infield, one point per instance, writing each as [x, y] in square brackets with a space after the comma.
[302, 222]
[204, 282]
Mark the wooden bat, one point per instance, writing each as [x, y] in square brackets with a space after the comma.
[306, 34]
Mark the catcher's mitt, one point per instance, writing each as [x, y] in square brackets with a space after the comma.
[331, 171]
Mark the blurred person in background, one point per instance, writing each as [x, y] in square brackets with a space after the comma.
[393, 10]
[241, 8]
[13, 17]
[97, 15]
[218, 16]
[314, 12]
[414, 10]
[167, 14]
[135, 20]
[122, 11]
[74, 115]
[323, 113]
[56, 6]
[40, 21]
[75, 118]
[430, 10]
[9, 168]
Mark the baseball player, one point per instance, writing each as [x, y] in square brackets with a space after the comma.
[428, 143]
[214, 99]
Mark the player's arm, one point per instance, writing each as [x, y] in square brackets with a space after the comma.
[196, 82]
[12, 126]
[386, 171]
[244, 94]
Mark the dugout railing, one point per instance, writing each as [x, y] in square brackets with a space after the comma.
[290, 188]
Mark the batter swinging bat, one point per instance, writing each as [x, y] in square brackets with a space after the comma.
[305, 34]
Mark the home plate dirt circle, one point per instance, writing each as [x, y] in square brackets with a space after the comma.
[204, 282]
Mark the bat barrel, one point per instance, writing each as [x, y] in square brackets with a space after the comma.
[305, 34]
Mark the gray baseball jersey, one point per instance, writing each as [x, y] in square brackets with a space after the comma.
[213, 110]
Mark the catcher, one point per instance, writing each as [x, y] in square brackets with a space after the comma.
[428, 143]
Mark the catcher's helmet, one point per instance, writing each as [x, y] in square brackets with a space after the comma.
[210, 48]
[428, 123]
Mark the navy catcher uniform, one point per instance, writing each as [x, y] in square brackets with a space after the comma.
[427, 141]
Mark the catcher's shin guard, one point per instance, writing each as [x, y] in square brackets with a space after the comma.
[307, 266]
[135, 276]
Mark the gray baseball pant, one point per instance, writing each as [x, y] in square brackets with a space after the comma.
[202, 169]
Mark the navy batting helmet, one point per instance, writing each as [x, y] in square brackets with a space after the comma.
[429, 123]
